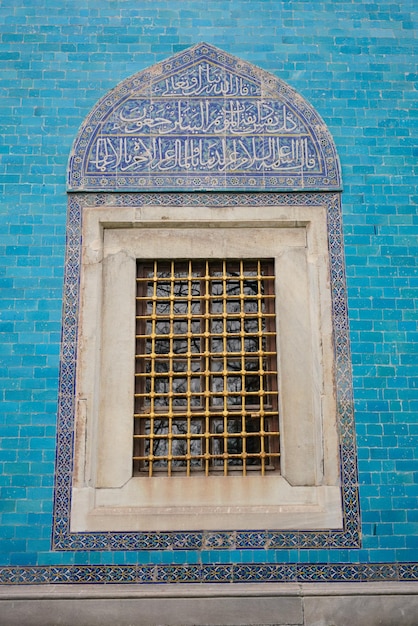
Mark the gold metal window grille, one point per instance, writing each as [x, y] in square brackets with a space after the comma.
[206, 368]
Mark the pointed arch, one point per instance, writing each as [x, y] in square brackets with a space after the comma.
[203, 120]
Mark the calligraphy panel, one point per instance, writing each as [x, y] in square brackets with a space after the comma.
[203, 120]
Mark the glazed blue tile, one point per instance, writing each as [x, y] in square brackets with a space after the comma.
[56, 63]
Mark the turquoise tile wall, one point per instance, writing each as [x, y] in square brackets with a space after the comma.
[354, 62]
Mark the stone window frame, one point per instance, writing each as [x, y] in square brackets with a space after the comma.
[106, 496]
[348, 535]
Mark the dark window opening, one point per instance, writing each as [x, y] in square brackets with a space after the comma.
[206, 397]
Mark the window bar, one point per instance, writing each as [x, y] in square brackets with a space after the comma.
[274, 452]
[243, 368]
[274, 383]
[261, 367]
[170, 374]
[225, 367]
[189, 369]
[207, 368]
[152, 369]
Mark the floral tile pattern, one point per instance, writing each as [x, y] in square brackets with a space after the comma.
[214, 573]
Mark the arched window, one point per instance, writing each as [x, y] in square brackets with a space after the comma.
[205, 369]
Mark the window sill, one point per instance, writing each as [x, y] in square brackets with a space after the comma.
[207, 503]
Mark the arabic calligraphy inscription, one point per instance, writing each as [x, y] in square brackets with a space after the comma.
[203, 118]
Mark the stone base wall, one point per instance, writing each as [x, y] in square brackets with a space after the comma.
[344, 604]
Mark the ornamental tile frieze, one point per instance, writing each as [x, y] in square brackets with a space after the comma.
[203, 120]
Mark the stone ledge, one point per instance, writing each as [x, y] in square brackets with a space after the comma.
[338, 604]
[125, 591]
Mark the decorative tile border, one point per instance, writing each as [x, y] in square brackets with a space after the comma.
[199, 573]
[203, 120]
[62, 538]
